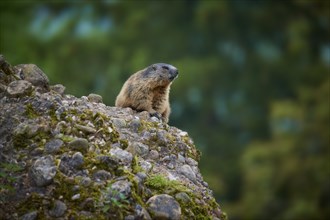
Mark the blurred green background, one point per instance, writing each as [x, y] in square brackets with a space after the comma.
[253, 89]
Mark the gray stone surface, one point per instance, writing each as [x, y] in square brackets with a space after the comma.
[33, 74]
[188, 172]
[43, 171]
[30, 216]
[164, 207]
[58, 209]
[95, 98]
[80, 144]
[123, 187]
[137, 148]
[122, 155]
[101, 175]
[77, 155]
[19, 88]
[53, 146]
[86, 129]
[60, 89]
[77, 160]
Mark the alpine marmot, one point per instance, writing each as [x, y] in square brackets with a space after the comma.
[148, 90]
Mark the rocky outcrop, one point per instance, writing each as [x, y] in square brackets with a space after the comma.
[76, 158]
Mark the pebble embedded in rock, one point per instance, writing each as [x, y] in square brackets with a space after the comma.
[95, 98]
[123, 187]
[141, 213]
[34, 75]
[30, 216]
[53, 146]
[109, 161]
[188, 172]
[119, 122]
[101, 175]
[85, 129]
[3, 87]
[75, 197]
[80, 144]
[85, 181]
[43, 171]
[145, 165]
[37, 151]
[138, 148]
[164, 206]
[122, 155]
[191, 161]
[182, 196]
[58, 209]
[77, 160]
[142, 175]
[181, 159]
[135, 125]
[153, 154]
[19, 88]
[58, 88]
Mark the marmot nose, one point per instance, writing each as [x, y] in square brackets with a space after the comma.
[171, 70]
[173, 73]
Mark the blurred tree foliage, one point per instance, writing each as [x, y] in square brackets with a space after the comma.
[253, 89]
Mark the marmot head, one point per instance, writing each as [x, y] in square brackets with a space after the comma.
[163, 73]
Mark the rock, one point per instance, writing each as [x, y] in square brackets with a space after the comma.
[58, 209]
[37, 151]
[101, 175]
[154, 155]
[135, 125]
[86, 129]
[69, 157]
[43, 171]
[95, 98]
[30, 216]
[19, 88]
[188, 172]
[34, 75]
[129, 217]
[164, 207]
[191, 161]
[144, 115]
[145, 165]
[119, 123]
[121, 188]
[141, 213]
[53, 146]
[183, 197]
[80, 144]
[109, 161]
[181, 159]
[3, 87]
[77, 160]
[27, 130]
[138, 148]
[60, 89]
[122, 155]
[85, 181]
[75, 197]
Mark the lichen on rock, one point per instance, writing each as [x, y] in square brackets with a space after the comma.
[76, 158]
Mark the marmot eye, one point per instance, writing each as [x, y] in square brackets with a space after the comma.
[165, 67]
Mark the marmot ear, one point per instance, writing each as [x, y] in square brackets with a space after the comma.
[149, 70]
[154, 66]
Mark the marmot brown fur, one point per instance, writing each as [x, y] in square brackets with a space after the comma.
[148, 90]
